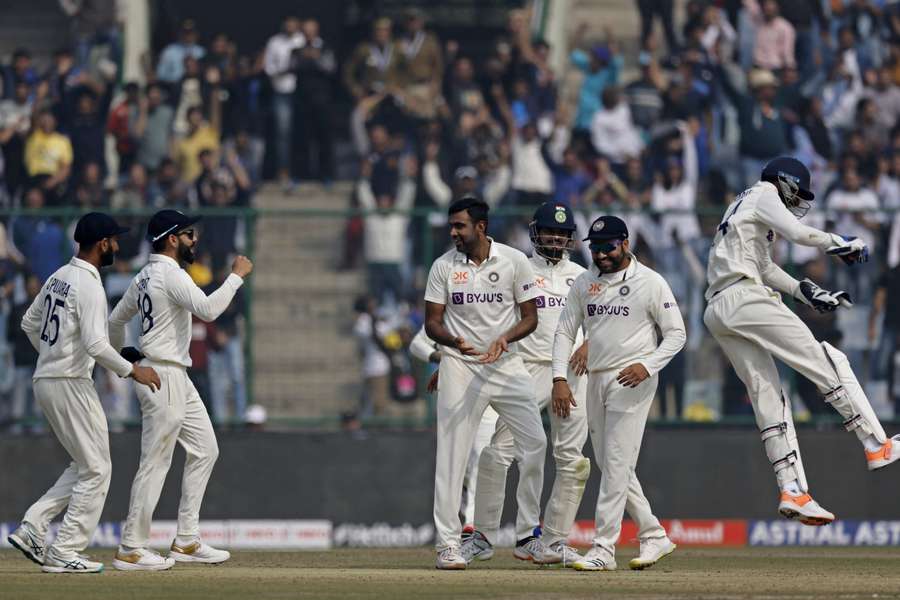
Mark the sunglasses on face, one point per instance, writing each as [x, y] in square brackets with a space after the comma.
[190, 233]
[604, 247]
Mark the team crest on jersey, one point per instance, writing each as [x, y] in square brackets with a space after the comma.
[541, 282]
[493, 277]
[595, 288]
[624, 290]
[461, 277]
[570, 281]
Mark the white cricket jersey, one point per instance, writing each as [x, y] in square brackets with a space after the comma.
[164, 296]
[481, 300]
[553, 283]
[620, 312]
[66, 323]
[743, 242]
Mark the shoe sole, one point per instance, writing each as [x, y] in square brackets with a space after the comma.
[187, 558]
[47, 569]
[591, 569]
[880, 464]
[789, 513]
[121, 565]
[22, 547]
[636, 565]
[531, 559]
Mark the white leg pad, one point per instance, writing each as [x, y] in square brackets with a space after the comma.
[849, 399]
[490, 492]
[780, 440]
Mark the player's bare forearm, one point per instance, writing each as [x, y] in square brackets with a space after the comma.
[527, 323]
[434, 325]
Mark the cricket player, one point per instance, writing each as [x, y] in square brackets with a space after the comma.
[620, 303]
[427, 351]
[66, 323]
[751, 323]
[480, 300]
[165, 297]
[552, 232]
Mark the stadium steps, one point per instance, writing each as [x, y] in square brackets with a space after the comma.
[38, 25]
[305, 357]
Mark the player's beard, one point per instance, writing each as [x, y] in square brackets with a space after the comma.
[613, 265]
[108, 258]
[186, 253]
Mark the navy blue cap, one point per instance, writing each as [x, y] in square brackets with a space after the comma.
[167, 221]
[551, 215]
[95, 226]
[786, 167]
[607, 227]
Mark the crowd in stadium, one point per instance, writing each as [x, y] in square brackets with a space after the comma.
[681, 123]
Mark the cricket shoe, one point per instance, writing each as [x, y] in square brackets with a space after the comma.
[450, 559]
[26, 540]
[476, 547]
[596, 559]
[803, 508]
[533, 549]
[569, 554]
[888, 453]
[141, 559]
[467, 532]
[198, 552]
[652, 551]
[77, 564]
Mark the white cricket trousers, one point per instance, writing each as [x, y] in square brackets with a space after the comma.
[172, 414]
[752, 325]
[466, 390]
[483, 436]
[75, 415]
[616, 416]
[567, 436]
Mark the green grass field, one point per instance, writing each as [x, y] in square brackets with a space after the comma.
[688, 573]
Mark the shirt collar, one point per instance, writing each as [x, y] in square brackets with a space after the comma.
[461, 257]
[164, 259]
[83, 264]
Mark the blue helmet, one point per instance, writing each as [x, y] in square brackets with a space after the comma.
[552, 230]
[792, 179]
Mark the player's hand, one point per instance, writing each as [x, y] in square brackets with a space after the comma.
[849, 249]
[562, 399]
[578, 362]
[146, 376]
[433, 382]
[496, 350]
[822, 300]
[131, 354]
[632, 375]
[242, 266]
[465, 348]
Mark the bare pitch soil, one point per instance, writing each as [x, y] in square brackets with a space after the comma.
[688, 573]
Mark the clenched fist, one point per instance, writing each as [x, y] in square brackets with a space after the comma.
[242, 266]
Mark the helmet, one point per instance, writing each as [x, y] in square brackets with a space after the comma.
[792, 179]
[559, 220]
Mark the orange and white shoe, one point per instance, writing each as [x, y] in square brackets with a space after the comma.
[803, 508]
[888, 453]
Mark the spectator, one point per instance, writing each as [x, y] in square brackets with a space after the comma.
[226, 356]
[644, 94]
[676, 190]
[24, 358]
[136, 192]
[532, 180]
[40, 240]
[202, 135]
[663, 10]
[279, 52]
[48, 158]
[570, 179]
[376, 368]
[20, 70]
[122, 124]
[315, 64]
[15, 124]
[601, 68]
[385, 229]
[886, 96]
[64, 81]
[222, 53]
[153, 128]
[172, 187]
[374, 66]
[773, 47]
[613, 133]
[223, 235]
[87, 131]
[170, 68]
[89, 191]
[202, 336]
[422, 67]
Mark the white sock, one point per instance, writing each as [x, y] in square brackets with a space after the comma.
[792, 487]
[871, 444]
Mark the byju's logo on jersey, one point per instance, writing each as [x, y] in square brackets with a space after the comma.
[476, 298]
[458, 298]
[540, 302]
[599, 310]
[550, 302]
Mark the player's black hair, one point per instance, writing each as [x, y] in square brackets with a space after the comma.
[160, 244]
[476, 207]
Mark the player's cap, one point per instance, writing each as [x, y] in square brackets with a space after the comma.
[792, 170]
[168, 221]
[551, 215]
[465, 172]
[95, 226]
[607, 227]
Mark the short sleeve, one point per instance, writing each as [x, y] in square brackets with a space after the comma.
[436, 289]
[525, 287]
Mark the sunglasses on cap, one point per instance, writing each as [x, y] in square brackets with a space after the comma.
[604, 247]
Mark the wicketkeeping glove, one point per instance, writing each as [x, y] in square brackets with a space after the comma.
[822, 300]
[849, 249]
[131, 354]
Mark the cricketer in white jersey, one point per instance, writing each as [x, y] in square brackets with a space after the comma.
[66, 323]
[751, 323]
[427, 350]
[552, 232]
[164, 297]
[620, 303]
[480, 300]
